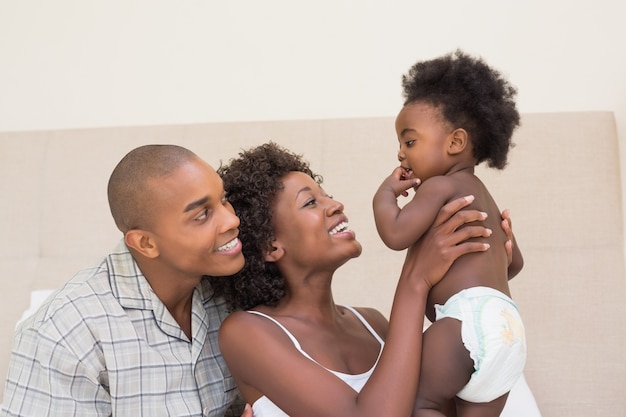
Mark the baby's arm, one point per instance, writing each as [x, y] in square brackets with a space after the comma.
[400, 228]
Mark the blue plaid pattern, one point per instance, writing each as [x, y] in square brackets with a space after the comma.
[105, 345]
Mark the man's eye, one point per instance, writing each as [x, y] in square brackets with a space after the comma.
[203, 215]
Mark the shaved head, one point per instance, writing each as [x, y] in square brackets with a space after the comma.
[130, 190]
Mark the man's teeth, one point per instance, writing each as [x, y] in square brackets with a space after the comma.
[340, 227]
[227, 246]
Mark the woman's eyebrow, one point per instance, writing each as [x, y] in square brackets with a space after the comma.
[304, 189]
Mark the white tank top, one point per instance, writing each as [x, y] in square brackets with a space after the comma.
[263, 407]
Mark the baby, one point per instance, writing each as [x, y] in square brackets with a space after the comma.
[458, 112]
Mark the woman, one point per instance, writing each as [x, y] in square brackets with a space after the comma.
[290, 348]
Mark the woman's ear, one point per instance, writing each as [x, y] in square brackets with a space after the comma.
[275, 253]
[142, 242]
[459, 140]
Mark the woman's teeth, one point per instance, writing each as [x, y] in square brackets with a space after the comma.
[340, 227]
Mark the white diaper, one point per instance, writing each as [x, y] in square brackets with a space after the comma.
[493, 333]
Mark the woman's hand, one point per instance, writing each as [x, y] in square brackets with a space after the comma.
[508, 231]
[513, 253]
[247, 411]
[431, 256]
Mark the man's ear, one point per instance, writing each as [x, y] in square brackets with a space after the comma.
[459, 140]
[275, 253]
[142, 242]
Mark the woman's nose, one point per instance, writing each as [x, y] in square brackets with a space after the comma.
[334, 207]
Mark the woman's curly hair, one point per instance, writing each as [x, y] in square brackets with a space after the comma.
[252, 182]
[470, 95]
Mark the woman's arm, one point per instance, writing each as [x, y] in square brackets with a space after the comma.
[264, 361]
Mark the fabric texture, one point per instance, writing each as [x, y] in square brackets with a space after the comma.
[562, 185]
[493, 333]
[264, 407]
[104, 345]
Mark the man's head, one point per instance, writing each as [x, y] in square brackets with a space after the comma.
[130, 189]
[172, 209]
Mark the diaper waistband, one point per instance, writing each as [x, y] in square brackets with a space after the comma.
[469, 299]
[482, 291]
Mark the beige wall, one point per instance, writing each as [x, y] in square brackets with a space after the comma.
[71, 64]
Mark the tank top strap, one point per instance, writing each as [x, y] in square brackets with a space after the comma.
[297, 344]
[365, 323]
[291, 336]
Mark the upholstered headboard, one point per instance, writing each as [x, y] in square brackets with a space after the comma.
[562, 186]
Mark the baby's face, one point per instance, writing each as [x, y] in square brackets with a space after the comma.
[423, 136]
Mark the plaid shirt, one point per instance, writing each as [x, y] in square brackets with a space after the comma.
[105, 345]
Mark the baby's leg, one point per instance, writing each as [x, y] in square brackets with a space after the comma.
[446, 368]
[491, 409]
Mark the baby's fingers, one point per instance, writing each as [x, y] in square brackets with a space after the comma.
[406, 185]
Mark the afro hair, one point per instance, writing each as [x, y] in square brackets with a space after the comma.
[470, 95]
[252, 182]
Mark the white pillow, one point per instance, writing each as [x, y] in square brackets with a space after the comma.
[37, 298]
[521, 402]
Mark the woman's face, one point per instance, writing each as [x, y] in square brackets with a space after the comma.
[311, 229]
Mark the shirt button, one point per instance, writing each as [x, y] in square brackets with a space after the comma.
[205, 411]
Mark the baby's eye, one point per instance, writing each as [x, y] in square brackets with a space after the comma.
[409, 143]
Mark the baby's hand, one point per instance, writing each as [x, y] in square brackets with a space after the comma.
[400, 181]
[406, 173]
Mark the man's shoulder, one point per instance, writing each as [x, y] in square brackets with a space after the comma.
[88, 290]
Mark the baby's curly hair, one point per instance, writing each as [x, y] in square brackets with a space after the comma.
[252, 182]
[470, 95]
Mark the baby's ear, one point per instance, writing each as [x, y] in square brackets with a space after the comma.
[459, 140]
[275, 253]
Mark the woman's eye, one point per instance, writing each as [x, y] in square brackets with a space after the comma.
[310, 202]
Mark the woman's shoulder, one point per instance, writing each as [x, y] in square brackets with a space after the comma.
[245, 324]
[375, 318]
[239, 319]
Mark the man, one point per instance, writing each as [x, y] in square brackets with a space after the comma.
[136, 335]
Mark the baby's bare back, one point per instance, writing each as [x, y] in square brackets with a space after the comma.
[487, 269]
